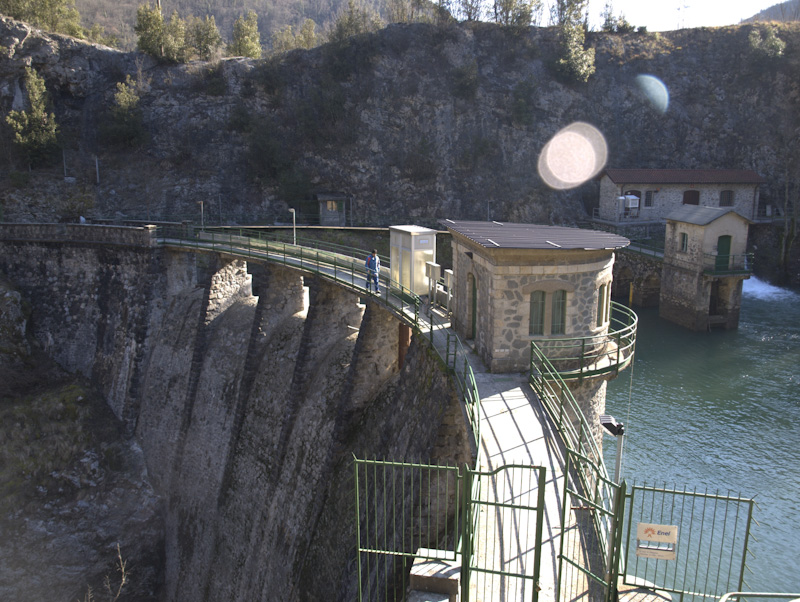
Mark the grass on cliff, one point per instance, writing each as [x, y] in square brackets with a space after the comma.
[46, 443]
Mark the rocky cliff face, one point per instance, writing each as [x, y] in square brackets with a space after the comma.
[414, 122]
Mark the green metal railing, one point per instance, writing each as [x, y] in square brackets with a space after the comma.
[407, 512]
[403, 511]
[561, 406]
[646, 249]
[727, 264]
[586, 467]
[577, 357]
[770, 595]
[592, 528]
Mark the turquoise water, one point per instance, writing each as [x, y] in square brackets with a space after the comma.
[720, 412]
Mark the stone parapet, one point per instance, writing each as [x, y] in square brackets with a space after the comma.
[82, 233]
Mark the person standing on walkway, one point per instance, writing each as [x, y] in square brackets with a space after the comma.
[373, 265]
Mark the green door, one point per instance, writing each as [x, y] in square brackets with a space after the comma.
[723, 260]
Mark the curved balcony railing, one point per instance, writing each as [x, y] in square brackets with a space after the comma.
[579, 357]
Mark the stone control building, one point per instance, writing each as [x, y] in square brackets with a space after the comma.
[705, 263]
[642, 197]
[518, 282]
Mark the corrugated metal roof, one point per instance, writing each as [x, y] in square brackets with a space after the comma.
[503, 235]
[700, 216]
[683, 176]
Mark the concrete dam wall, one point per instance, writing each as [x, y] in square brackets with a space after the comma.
[249, 387]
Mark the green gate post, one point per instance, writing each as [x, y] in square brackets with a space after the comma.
[542, 471]
[466, 534]
[358, 529]
[615, 553]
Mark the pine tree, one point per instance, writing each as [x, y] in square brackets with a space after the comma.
[35, 130]
[203, 37]
[246, 40]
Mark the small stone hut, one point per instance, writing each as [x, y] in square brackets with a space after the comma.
[705, 263]
[517, 282]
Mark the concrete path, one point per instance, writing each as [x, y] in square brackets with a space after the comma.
[515, 430]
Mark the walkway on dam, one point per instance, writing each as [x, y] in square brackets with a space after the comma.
[515, 430]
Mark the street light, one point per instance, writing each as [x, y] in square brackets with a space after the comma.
[202, 216]
[294, 230]
[617, 429]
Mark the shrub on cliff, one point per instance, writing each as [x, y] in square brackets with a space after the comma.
[164, 40]
[35, 129]
[125, 127]
[285, 39]
[355, 20]
[767, 45]
[203, 37]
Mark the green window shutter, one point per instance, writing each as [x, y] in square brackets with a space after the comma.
[559, 321]
[536, 325]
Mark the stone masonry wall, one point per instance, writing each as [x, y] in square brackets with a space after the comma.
[667, 198]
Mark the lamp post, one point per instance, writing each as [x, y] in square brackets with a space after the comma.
[202, 216]
[617, 429]
[294, 226]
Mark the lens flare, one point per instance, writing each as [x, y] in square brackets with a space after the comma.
[573, 156]
[654, 91]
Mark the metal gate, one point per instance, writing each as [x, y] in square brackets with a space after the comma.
[489, 523]
[707, 555]
[691, 544]
[506, 541]
[591, 532]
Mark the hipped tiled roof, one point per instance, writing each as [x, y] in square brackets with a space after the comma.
[701, 216]
[504, 235]
[683, 176]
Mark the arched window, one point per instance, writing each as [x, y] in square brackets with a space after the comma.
[691, 197]
[558, 321]
[601, 305]
[536, 325]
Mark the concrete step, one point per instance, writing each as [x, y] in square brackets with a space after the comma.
[435, 576]
[418, 596]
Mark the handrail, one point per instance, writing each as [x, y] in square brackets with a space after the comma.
[727, 264]
[729, 595]
[347, 271]
[576, 357]
[286, 235]
[645, 249]
[577, 437]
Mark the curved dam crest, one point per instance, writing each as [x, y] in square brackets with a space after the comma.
[247, 405]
